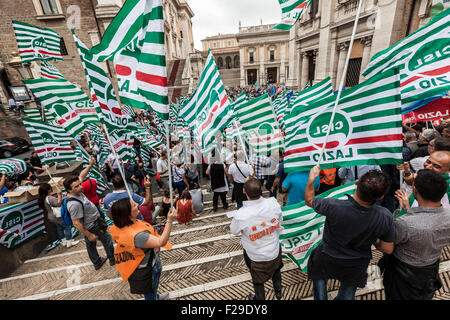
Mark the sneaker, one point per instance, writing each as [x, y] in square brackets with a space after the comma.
[163, 296]
[112, 263]
[278, 295]
[251, 296]
[102, 262]
[71, 243]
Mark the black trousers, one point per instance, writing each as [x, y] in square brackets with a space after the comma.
[238, 193]
[406, 282]
[223, 198]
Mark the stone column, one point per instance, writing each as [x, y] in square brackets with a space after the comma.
[262, 73]
[297, 77]
[304, 69]
[367, 43]
[283, 75]
[241, 62]
[343, 51]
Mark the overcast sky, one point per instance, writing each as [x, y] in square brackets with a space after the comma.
[222, 16]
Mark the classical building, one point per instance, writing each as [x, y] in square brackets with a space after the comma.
[256, 54]
[89, 19]
[264, 53]
[319, 42]
[225, 49]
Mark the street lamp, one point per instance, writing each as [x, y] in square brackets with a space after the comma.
[23, 70]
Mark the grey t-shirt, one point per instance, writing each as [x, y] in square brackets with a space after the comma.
[422, 233]
[88, 212]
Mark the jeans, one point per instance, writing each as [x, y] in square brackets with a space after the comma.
[180, 186]
[64, 231]
[156, 275]
[320, 291]
[107, 241]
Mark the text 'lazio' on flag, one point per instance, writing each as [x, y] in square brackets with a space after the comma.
[101, 89]
[303, 228]
[367, 127]
[424, 62]
[208, 111]
[52, 144]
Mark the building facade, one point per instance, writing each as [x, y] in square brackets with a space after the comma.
[255, 55]
[89, 19]
[319, 42]
[264, 53]
[225, 50]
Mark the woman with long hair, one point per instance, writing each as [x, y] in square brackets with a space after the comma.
[52, 207]
[137, 251]
[185, 208]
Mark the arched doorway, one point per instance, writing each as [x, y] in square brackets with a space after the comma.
[219, 63]
[228, 62]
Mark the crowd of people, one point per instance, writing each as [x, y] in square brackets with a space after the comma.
[411, 243]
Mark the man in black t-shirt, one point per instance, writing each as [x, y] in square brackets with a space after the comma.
[352, 226]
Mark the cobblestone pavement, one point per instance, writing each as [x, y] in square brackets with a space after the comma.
[206, 263]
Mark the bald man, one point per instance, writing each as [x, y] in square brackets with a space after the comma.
[439, 162]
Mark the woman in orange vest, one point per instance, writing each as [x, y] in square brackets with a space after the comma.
[137, 251]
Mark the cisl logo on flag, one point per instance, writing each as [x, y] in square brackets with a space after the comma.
[13, 221]
[340, 131]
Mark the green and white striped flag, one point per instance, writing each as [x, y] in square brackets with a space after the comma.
[122, 142]
[291, 11]
[69, 105]
[52, 144]
[135, 42]
[303, 227]
[20, 223]
[49, 71]
[208, 111]
[11, 166]
[367, 128]
[123, 29]
[101, 89]
[319, 91]
[148, 140]
[49, 91]
[300, 101]
[242, 98]
[258, 120]
[36, 43]
[424, 62]
[74, 117]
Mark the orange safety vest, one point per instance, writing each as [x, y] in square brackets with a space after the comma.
[328, 176]
[126, 255]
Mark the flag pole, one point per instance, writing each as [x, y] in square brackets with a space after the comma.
[122, 173]
[51, 178]
[169, 164]
[241, 140]
[341, 85]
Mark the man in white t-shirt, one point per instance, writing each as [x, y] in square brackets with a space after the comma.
[239, 171]
[259, 221]
[113, 164]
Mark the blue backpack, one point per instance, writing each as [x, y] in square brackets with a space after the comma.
[65, 215]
